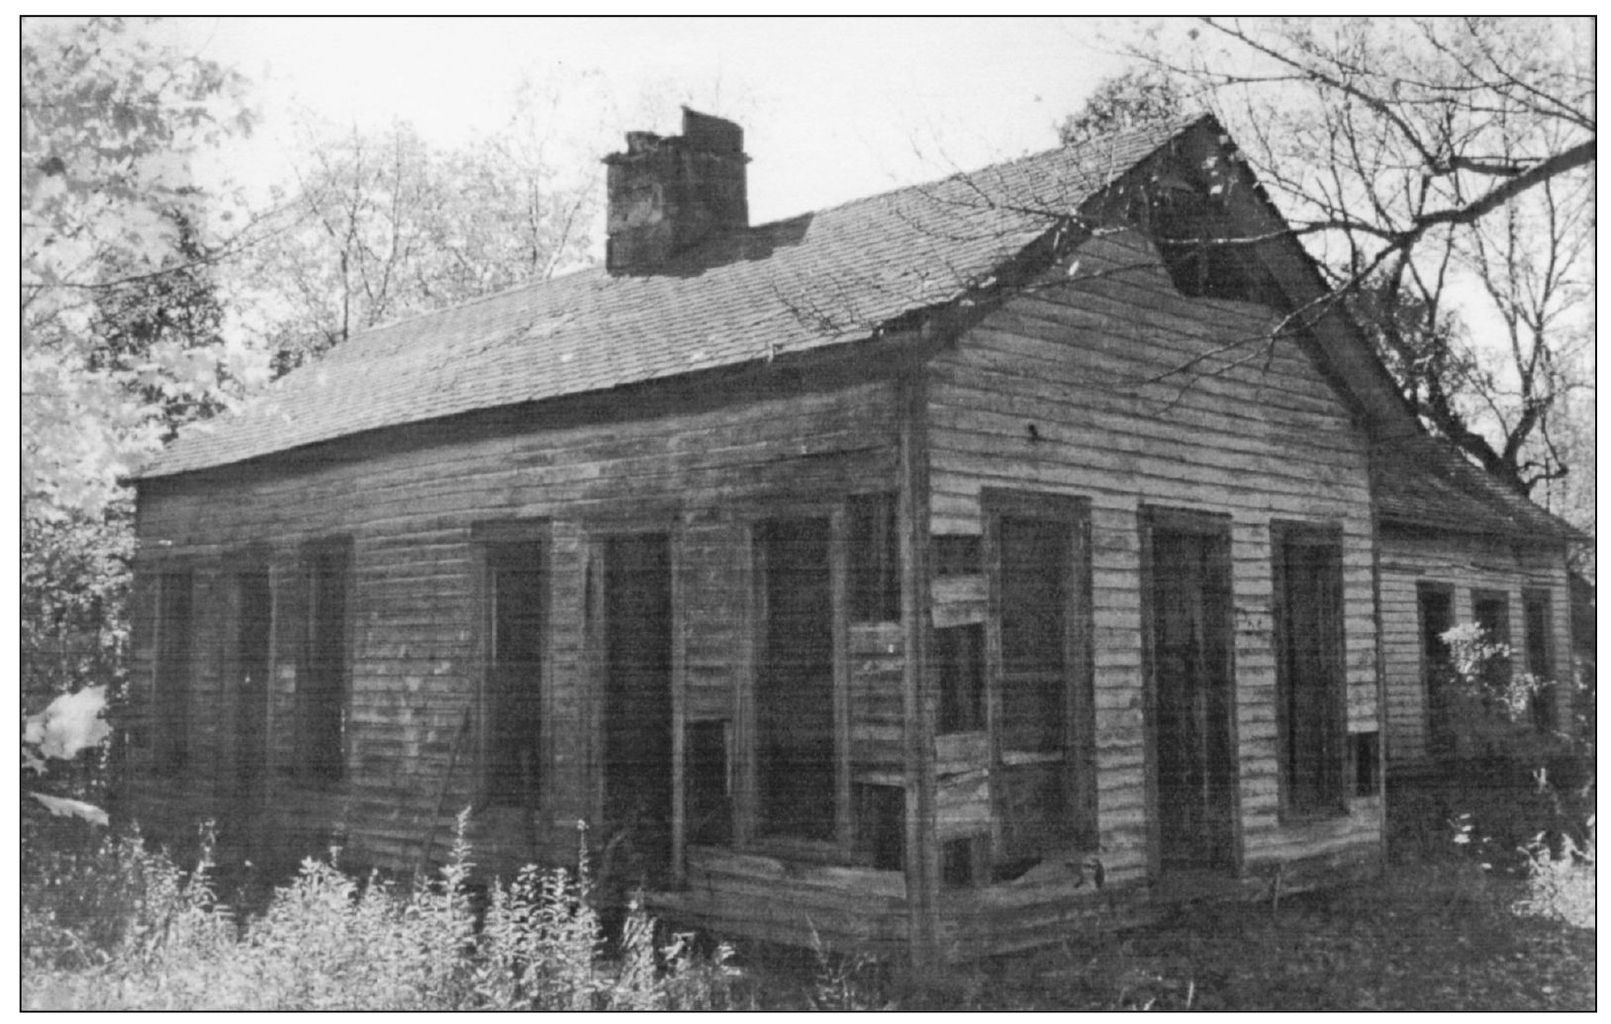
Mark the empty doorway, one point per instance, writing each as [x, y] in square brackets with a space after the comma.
[1192, 698]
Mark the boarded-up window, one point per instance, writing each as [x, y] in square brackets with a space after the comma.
[1044, 783]
[1435, 606]
[322, 681]
[170, 706]
[1311, 696]
[513, 704]
[1537, 633]
[794, 688]
[875, 577]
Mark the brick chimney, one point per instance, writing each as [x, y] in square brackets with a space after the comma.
[667, 195]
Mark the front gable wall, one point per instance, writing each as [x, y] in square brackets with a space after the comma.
[1102, 382]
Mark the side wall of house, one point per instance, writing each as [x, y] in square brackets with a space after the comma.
[698, 468]
[1462, 565]
[1105, 383]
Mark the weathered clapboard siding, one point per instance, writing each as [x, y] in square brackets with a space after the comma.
[1087, 359]
[413, 599]
[1465, 563]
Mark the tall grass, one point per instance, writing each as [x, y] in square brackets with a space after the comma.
[125, 928]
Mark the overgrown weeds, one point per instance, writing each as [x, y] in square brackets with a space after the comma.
[124, 928]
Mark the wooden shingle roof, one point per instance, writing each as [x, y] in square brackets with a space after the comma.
[815, 280]
[820, 279]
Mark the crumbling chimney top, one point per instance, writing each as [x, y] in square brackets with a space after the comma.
[668, 194]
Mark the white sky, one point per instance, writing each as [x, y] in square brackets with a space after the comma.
[832, 108]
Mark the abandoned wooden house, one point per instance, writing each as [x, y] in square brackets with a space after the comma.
[932, 572]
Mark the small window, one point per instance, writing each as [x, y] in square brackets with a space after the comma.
[875, 577]
[1366, 749]
[513, 705]
[960, 653]
[881, 825]
[961, 862]
[707, 755]
[171, 683]
[956, 555]
[322, 682]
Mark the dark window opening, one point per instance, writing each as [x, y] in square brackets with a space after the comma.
[1034, 566]
[794, 689]
[875, 576]
[881, 825]
[960, 862]
[514, 673]
[1366, 749]
[322, 686]
[956, 555]
[1187, 228]
[1310, 680]
[706, 756]
[960, 653]
[172, 681]
[1036, 816]
[1536, 632]
[1435, 603]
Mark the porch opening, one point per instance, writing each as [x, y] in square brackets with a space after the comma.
[637, 694]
